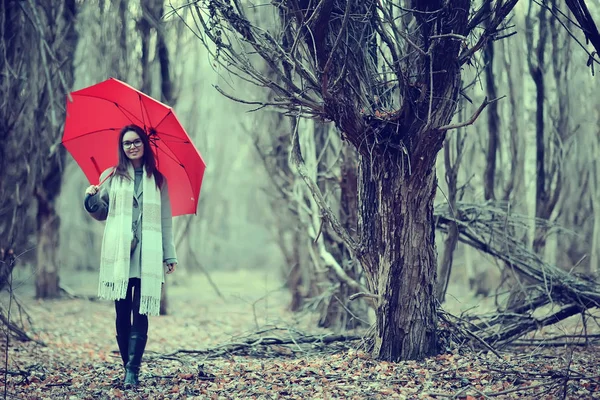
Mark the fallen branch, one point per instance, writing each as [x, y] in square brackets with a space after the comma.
[550, 343]
[17, 331]
[492, 230]
[264, 341]
[15, 373]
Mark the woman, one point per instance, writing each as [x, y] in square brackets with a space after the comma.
[138, 238]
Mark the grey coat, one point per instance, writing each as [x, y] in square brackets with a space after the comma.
[98, 204]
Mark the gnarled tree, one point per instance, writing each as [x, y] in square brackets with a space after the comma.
[389, 77]
[390, 85]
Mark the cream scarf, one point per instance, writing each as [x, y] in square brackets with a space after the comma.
[116, 243]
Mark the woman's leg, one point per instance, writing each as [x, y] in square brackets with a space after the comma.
[123, 322]
[140, 321]
[138, 338]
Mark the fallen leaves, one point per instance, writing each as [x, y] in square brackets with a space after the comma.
[81, 362]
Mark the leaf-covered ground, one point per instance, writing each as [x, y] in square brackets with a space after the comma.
[79, 358]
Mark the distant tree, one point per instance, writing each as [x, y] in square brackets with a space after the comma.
[150, 23]
[38, 41]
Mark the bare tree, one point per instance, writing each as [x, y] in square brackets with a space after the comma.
[33, 96]
[548, 176]
[150, 23]
[64, 41]
[493, 116]
[553, 126]
[389, 77]
[320, 272]
[454, 150]
[334, 278]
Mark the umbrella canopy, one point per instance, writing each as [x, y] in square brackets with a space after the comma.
[96, 115]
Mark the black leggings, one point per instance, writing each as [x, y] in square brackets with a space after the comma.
[124, 309]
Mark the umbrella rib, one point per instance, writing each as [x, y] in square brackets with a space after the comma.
[147, 113]
[183, 166]
[122, 109]
[180, 140]
[142, 112]
[90, 133]
[170, 156]
[165, 117]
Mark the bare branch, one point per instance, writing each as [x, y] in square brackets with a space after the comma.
[592, 56]
[363, 294]
[500, 12]
[472, 120]
[296, 158]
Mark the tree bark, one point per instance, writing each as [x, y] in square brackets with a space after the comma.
[401, 208]
[144, 26]
[493, 119]
[536, 70]
[47, 191]
[47, 280]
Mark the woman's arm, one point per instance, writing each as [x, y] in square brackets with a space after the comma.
[97, 204]
[169, 254]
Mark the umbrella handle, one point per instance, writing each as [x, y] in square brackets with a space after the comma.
[99, 172]
[107, 176]
[104, 180]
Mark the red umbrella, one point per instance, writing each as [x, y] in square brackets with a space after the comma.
[95, 118]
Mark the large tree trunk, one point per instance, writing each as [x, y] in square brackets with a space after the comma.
[47, 191]
[402, 235]
[396, 194]
[47, 280]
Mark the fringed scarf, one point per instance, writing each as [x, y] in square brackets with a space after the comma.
[116, 243]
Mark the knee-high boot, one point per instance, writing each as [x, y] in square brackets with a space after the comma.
[123, 326]
[137, 345]
[123, 343]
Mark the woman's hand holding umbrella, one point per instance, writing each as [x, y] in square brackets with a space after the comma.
[92, 190]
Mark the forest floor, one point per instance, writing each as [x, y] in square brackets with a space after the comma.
[79, 358]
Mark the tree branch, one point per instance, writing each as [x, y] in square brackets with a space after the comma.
[298, 161]
[472, 120]
[500, 12]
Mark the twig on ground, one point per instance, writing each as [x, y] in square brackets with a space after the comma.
[15, 373]
[251, 342]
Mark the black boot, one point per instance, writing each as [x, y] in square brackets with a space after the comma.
[137, 345]
[123, 342]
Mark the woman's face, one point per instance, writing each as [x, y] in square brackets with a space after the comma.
[133, 146]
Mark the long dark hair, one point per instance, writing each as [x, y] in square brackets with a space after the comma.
[148, 159]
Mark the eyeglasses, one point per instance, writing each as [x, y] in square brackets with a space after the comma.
[136, 143]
